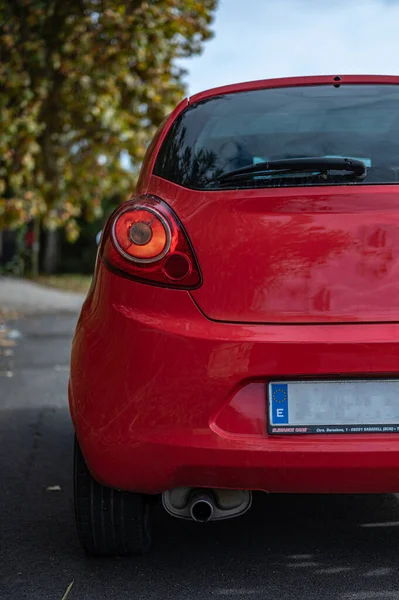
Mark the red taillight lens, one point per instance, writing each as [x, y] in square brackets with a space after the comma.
[144, 240]
[141, 234]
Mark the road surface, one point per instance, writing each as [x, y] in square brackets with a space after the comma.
[286, 548]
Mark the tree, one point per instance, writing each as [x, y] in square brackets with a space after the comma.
[84, 84]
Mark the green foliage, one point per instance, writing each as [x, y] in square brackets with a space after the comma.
[83, 82]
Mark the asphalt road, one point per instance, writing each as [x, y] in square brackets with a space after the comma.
[313, 547]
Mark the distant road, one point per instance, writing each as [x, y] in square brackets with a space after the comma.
[30, 298]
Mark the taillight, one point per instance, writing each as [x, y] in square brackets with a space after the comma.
[144, 240]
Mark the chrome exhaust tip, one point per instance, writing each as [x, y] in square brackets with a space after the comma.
[201, 508]
[202, 505]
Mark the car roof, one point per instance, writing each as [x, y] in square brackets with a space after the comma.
[296, 81]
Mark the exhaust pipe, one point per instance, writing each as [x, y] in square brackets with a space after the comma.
[201, 507]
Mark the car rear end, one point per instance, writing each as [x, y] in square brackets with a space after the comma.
[260, 351]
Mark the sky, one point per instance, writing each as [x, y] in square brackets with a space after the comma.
[258, 39]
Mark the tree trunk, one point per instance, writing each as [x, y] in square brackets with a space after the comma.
[34, 266]
[51, 252]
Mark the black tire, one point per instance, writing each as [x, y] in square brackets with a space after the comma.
[109, 522]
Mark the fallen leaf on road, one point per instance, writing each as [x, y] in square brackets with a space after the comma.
[6, 374]
[67, 591]
[5, 343]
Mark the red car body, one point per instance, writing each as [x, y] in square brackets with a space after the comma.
[169, 385]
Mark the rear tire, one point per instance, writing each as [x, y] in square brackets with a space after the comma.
[109, 522]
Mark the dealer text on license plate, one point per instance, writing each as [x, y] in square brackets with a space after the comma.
[300, 407]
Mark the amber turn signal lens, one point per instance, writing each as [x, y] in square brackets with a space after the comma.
[142, 234]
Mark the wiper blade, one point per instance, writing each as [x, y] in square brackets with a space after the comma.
[292, 165]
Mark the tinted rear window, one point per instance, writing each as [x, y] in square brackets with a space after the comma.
[228, 132]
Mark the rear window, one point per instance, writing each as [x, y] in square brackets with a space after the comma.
[228, 132]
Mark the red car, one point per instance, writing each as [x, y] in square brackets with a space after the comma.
[242, 329]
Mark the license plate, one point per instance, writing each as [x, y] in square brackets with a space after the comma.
[323, 407]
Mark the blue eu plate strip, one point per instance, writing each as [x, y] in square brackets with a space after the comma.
[279, 403]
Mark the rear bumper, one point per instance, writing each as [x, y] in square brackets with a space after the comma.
[162, 397]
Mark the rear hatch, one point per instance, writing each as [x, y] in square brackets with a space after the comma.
[292, 247]
[302, 256]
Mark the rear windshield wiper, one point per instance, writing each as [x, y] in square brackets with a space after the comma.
[296, 165]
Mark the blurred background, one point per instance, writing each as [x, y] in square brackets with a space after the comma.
[85, 84]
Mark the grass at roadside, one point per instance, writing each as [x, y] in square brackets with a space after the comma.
[66, 282]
